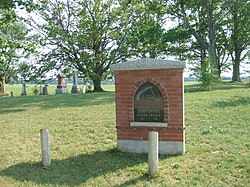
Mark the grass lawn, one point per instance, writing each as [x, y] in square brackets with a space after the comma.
[83, 141]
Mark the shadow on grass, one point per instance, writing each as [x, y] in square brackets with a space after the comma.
[2, 111]
[238, 101]
[222, 86]
[133, 182]
[10, 104]
[74, 171]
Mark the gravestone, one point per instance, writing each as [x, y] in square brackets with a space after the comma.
[150, 97]
[83, 88]
[74, 86]
[41, 90]
[61, 86]
[45, 89]
[23, 89]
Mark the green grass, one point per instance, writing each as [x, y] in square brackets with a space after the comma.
[83, 141]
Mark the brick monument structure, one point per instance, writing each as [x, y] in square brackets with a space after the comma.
[150, 97]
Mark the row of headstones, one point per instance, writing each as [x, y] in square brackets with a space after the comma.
[43, 90]
[61, 86]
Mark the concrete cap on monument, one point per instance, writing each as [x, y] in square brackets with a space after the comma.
[148, 63]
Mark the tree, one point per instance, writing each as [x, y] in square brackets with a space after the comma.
[90, 35]
[29, 5]
[13, 39]
[80, 35]
[14, 44]
[204, 20]
[142, 32]
[239, 29]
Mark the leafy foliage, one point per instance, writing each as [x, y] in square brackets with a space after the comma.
[15, 45]
[29, 5]
[81, 36]
[142, 30]
[91, 35]
[206, 75]
[218, 29]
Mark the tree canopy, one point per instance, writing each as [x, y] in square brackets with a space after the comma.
[15, 43]
[90, 35]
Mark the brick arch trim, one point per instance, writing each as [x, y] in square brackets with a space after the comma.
[155, 83]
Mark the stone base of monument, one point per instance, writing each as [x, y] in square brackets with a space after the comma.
[141, 146]
[61, 90]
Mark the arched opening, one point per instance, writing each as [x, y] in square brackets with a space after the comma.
[148, 104]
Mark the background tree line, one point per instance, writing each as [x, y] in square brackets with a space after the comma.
[90, 35]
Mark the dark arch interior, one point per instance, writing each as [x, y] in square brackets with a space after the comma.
[148, 104]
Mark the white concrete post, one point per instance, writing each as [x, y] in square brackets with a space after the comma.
[83, 89]
[153, 153]
[45, 143]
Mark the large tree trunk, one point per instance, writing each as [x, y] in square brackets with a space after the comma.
[236, 67]
[212, 38]
[97, 84]
[237, 47]
[203, 56]
[2, 85]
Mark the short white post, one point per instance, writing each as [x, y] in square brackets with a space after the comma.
[153, 153]
[45, 143]
[83, 89]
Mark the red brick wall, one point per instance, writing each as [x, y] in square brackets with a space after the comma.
[170, 84]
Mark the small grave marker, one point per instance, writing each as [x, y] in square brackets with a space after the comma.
[74, 86]
[23, 89]
[41, 89]
[45, 89]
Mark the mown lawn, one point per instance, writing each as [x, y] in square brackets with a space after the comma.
[83, 141]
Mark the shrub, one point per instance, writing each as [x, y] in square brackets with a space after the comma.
[35, 90]
[207, 76]
[88, 88]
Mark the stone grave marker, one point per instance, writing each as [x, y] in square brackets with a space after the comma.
[61, 86]
[74, 86]
[45, 90]
[41, 90]
[23, 89]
